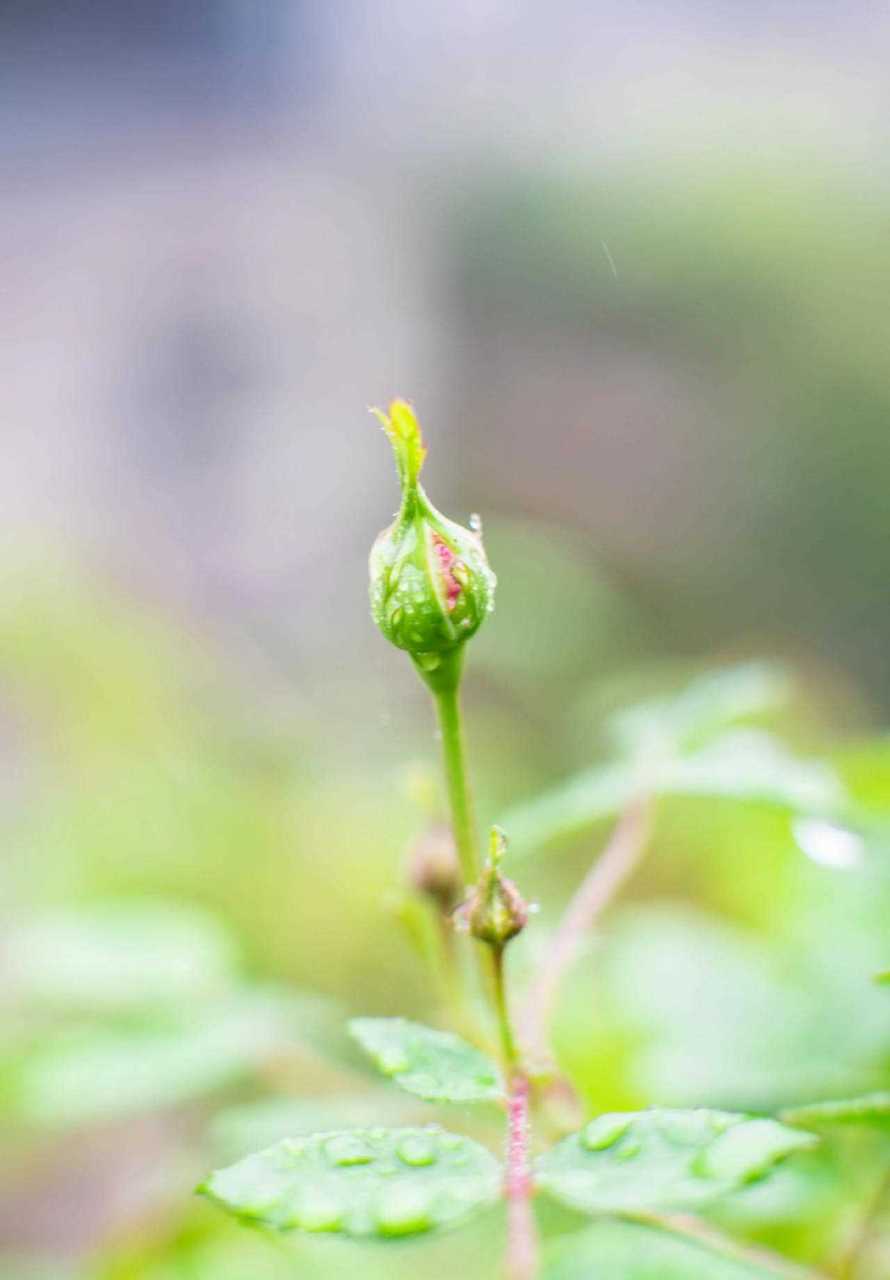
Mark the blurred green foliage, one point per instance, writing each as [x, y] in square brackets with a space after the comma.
[187, 892]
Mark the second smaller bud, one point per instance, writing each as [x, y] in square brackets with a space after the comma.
[495, 911]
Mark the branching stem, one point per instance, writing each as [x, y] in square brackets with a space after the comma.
[615, 864]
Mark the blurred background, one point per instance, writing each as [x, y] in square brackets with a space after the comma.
[631, 263]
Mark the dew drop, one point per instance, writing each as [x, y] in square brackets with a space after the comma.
[628, 1151]
[345, 1149]
[451, 1142]
[744, 1152]
[829, 845]
[418, 1149]
[475, 522]
[393, 1061]
[317, 1210]
[604, 1132]
[403, 1210]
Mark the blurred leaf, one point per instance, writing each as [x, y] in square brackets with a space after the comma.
[703, 708]
[663, 1159]
[616, 1250]
[745, 765]
[436, 1065]
[751, 765]
[93, 1074]
[720, 1016]
[361, 1182]
[120, 955]
[869, 1109]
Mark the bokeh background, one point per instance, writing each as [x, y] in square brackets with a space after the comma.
[631, 262]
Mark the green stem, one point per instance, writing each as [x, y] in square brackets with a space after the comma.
[502, 1011]
[448, 709]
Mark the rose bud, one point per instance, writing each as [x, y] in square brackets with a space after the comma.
[431, 585]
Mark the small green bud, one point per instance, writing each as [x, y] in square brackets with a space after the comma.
[496, 911]
[431, 585]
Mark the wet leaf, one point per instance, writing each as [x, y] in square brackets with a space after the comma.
[436, 1065]
[384, 1183]
[664, 1159]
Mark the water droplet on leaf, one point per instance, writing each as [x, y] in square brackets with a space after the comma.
[417, 1149]
[403, 1210]
[345, 1149]
[317, 1210]
[604, 1132]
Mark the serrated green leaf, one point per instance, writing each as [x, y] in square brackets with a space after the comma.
[383, 1183]
[118, 956]
[869, 1109]
[664, 1159]
[615, 1250]
[436, 1065]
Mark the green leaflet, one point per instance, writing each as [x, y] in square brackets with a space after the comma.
[869, 1109]
[663, 1159]
[615, 1250]
[83, 1074]
[436, 1065]
[382, 1183]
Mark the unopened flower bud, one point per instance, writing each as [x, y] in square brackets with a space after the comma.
[496, 911]
[434, 869]
[431, 585]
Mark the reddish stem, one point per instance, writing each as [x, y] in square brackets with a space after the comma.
[521, 1261]
[614, 865]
